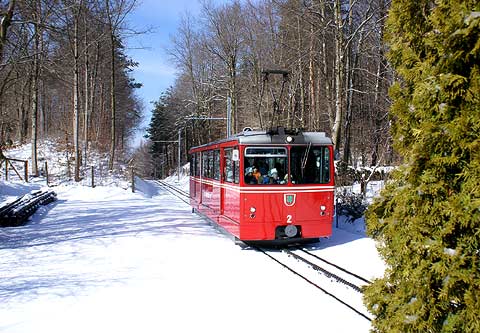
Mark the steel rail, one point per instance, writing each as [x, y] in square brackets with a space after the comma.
[324, 271]
[336, 266]
[313, 283]
[179, 193]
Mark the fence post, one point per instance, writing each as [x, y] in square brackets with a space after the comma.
[133, 180]
[69, 174]
[336, 213]
[93, 177]
[46, 173]
[6, 169]
[25, 168]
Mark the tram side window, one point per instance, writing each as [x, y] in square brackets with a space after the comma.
[310, 165]
[197, 164]
[191, 159]
[228, 169]
[205, 164]
[216, 164]
[236, 167]
[210, 164]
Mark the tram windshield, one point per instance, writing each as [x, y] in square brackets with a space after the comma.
[310, 165]
[266, 165]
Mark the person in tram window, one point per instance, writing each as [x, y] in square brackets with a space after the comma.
[263, 171]
[249, 177]
[280, 170]
[256, 174]
[264, 179]
[262, 167]
[274, 179]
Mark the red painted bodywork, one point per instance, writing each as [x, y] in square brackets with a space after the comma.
[228, 204]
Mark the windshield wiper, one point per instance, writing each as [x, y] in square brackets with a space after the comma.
[305, 158]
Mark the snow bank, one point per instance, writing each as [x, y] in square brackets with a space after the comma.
[148, 189]
[106, 259]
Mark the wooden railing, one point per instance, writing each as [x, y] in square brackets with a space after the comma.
[8, 163]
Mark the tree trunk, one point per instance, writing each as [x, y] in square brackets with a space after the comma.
[233, 95]
[311, 83]
[5, 21]
[36, 66]
[324, 69]
[87, 92]
[339, 67]
[300, 74]
[23, 110]
[93, 79]
[351, 63]
[112, 90]
[76, 115]
[378, 86]
[349, 113]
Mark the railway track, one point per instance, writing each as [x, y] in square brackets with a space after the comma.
[335, 272]
[323, 275]
[179, 193]
[317, 271]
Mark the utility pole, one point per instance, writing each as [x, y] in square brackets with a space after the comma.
[229, 116]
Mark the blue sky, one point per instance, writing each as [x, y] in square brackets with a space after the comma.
[156, 71]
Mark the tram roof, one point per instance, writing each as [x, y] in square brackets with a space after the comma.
[275, 137]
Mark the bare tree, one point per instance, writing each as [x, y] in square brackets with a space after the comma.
[223, 39]
[76, 72]
[49, 46]
[330, 48]
[37, 7]
[116, 11]
[5, 21]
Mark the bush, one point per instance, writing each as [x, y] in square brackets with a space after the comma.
[352, 205]
[427, 221]
[347, 175]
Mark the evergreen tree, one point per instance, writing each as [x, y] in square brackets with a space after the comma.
[160, 131]
[427, 222]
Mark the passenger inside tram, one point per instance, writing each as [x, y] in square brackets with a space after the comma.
[256, 174]
[249, 177]
[308, 164]
[263, 161]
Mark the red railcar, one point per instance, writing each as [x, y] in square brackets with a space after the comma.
[266, 186]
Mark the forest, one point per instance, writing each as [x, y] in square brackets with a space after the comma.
[334, 76]
[392, 83]
[65, 75]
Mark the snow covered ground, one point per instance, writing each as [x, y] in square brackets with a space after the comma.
[108, 260]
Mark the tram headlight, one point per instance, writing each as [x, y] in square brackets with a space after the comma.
[322, 210]
[252, 212]
[289, 139]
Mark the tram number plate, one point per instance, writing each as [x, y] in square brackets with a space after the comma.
[289, 218]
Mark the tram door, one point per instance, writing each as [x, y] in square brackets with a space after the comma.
[226, 165]
[229, 178]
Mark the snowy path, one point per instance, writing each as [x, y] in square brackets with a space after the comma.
[107, 260]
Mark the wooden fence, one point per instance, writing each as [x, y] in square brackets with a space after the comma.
[90, 176]
[8, 164]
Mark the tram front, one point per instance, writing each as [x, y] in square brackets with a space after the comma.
[288, 188]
